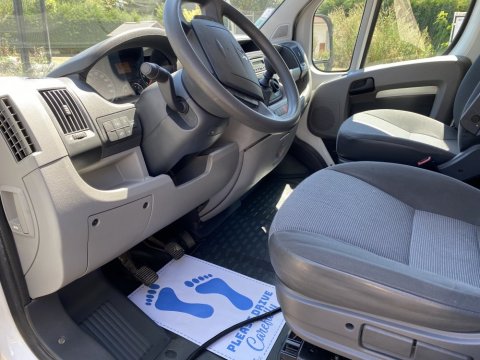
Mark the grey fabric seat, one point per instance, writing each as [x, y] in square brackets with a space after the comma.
[387, 241]
[405, 137]
[396, 136]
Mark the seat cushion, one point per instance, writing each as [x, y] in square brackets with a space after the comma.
[395, 136]
[385, 239]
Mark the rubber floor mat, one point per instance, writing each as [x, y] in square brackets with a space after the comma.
[241, 242]
[112, 320]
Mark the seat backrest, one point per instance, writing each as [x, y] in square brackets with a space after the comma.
[467, 92]
[467, 89]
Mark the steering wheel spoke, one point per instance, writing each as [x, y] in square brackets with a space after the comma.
[213, 10]
[248, 100]
[259, 106]
[265, 110]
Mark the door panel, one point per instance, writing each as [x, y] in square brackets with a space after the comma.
[413, 99]
[425, 86]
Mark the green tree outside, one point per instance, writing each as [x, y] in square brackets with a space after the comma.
[397, 36]
[75, 25]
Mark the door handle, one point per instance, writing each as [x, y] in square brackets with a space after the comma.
[362, 86]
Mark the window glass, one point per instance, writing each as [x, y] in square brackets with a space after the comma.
[414, 29]
[335, 29]
[37, 35]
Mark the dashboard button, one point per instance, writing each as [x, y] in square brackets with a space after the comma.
[108, 126]
[124, 121]
[117, 124]
[112, 136]
[121, 133]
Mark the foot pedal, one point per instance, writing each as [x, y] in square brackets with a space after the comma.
[187, 239]
[174, 250]
[171, 247]
[144, 274]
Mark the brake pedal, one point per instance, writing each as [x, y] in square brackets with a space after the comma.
[172, 248]
[146, 275]
[143, 274]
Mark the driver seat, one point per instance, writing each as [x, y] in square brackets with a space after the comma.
[379, 261]
[406, 137]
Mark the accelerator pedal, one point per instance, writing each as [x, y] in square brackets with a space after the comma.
[187, 239]
[174, 250]
[143, 274]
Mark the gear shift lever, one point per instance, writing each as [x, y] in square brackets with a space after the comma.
[268, 75]
[269, 84]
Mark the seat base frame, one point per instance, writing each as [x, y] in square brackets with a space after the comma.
[363, 336]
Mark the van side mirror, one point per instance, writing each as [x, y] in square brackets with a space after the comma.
[322, 45]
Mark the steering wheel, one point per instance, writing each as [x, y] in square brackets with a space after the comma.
[218, 66]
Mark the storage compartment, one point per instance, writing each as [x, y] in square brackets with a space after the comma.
[116, 171]
[189, 169]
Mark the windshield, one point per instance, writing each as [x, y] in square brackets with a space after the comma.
[37, 35]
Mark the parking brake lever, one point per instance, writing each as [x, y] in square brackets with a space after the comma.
[165, 83]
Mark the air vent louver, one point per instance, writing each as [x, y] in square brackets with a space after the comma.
[66, 110]
[14, 132]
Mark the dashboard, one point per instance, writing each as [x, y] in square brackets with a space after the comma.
[117, 77]
[82, 157]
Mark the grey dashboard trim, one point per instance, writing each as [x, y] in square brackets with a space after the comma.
[60, 199]
[71, 245]
[148, 37]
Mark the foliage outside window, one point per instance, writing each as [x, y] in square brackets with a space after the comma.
[34, 43]
[412, 29]
[405, 30]
[345, 18]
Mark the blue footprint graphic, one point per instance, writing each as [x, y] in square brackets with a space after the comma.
[167, 300]
[206, 284]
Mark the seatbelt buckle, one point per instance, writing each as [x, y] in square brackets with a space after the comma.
[427, 163]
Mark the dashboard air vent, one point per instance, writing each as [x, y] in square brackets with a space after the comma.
[66, 110]
[14, 132]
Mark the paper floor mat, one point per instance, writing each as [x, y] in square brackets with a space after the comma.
[197, 300]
